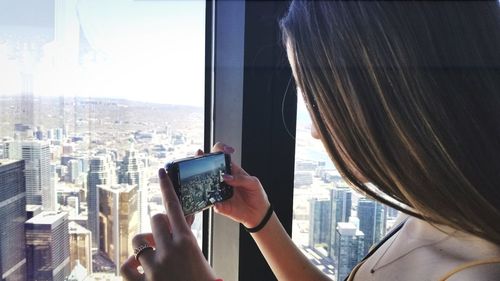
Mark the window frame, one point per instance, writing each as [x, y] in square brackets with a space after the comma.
[208, 111]
[254, 110]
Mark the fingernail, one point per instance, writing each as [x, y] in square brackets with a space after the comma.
[228, 149]
[227, 177]
[162, 173]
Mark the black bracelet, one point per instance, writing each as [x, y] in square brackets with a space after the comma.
[263, 222]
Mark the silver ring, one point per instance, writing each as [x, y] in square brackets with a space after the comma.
[139, 250]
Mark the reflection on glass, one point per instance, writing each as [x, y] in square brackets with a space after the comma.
[95, 96]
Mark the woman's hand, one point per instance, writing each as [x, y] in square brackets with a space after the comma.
[173, 253]
[249, 202]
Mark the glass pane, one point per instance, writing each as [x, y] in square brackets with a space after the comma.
[95, 96]
[333, 225]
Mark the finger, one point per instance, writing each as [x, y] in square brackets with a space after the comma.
[146, 257]
[199, 152]
[190, 220]
[221, 147]
[241, 180]
[223, 208]
[162, 233]
[172, 205]
[147, 237]
[236, 169]
[129, 270]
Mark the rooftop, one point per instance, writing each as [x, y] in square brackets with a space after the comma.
[78, 273]
[8, 161]
[75, 228]
[117, 188]
[32, 208]
[47, 218]
[348, 229]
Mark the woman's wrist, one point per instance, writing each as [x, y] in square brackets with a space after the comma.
[258, 216]
[263, 222]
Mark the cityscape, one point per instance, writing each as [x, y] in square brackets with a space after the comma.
[201, 183]
[87, 118]
[95, 96]
[85, 193]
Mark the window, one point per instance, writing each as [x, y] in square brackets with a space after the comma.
[332, 224]
[95, 96]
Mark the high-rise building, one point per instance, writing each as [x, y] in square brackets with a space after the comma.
[36, 156]
[32, 210]
[341, 211]
[319, 222]
[13, 214]
[47, 247]
[132, 172]
[74, 170]
[372, 221]
[80, 242]
[130, 169]
[350, 248]
[74, 203]
[99, 173]
[118, 220]
[58, 133]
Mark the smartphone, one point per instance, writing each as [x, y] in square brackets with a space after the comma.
[198, 180]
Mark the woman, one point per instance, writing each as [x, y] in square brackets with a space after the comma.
[403, 95]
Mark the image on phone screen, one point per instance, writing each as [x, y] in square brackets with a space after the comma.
[201, 182]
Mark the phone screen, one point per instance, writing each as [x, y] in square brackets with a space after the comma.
[201, 183]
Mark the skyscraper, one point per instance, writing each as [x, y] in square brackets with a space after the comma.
[132, 172]
[81, 247]
[130, 169]
[36, 156]
[99, 173]
[319, 222]
[13, 214]
[74, 170]
[372, 221]
[118, 220]
[350, 248]
[47, 247]
[341, 211]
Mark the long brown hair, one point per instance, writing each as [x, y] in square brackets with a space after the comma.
[407, 94]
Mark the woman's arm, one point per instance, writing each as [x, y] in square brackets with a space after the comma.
[284, 257]
[248, 206]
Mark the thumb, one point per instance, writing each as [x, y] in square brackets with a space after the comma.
[223, 208]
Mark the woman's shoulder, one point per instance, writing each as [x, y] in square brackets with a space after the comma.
[469, 258]
[421, 251]
[457, 256]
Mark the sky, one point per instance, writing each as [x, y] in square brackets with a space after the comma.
[200, 165]
[146, 50]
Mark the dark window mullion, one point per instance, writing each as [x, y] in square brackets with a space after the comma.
[208, 129]
[268, 146]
